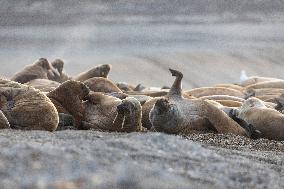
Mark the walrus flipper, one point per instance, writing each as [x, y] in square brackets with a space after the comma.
[176, 87]
[250, 129]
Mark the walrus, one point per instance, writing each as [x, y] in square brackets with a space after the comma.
[149, 93]
[59, 65]
[38, 70]
[223, 97]
[44, 85]
[101, 84]
[174, 114]
[268, 121]
[267, 98]
[267, 84]
[263, 91]
[208, 91]
[148, 105]
[68, 98]
[231, 86]
[98, 71]
[107, 113]
[27, 108]
[229, 103]
[256, 79]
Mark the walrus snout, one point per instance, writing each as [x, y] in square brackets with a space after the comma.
[162, 105]
[122, 108]
[105, 68]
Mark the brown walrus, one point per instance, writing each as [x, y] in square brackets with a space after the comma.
[59, 65]
[98, 71]
[107, 113]
[68, 98]
[38, 70]
[27, 108]
[267, 84]
[174, 114]
[44, 85]
[222, 97]
[100, 84]
[231, 86]
[208, 91]
[256, 79]
[263, 91]
[267, 120]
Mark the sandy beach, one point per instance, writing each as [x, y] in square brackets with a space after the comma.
[209, 41]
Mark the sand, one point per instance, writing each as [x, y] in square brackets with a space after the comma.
[210, 41]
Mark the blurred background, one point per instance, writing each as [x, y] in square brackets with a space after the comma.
[211, 41]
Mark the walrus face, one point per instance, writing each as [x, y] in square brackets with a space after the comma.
[102, 70]
[164, 116]
[58, 64]
[43, 63]
[131, 110]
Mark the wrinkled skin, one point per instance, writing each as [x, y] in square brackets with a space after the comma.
[38, 70]
[27, 108]
[98, 71]
[68, 99]
[268, 121]
[174, 114]
[107, 113]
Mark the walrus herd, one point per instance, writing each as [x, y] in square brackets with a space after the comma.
[42, 96]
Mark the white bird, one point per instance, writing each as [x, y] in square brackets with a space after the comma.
[243, 76]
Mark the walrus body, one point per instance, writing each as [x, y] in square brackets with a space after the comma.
[267, 120]
[256, 79]
[208, 91]
[38, 70]
[279, 84]
[68, 97]
[174, 114]
[27, 108]
[43, 85]
[100, 84]
[222, 97]
[231, 86]
[98, 71]
[107, 113]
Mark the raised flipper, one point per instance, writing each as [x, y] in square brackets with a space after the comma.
[176, 87]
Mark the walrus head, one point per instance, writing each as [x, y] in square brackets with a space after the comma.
[70, 87]
[131, 110]
[100, 70]
[164, 116]
[58, 64]
[43, 62]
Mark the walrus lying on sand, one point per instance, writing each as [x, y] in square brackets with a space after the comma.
[68, 98]
[44, 85]
[98, 71]
[38, 70]
[174, 114]
[107, 113]
[27, 108]
[268, 121]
